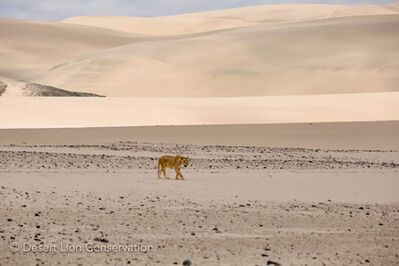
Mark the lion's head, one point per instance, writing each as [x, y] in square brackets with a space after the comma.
[185, 161]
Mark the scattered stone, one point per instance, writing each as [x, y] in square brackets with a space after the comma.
[102, 240]
[187, 263]
[270, 262]
[216, 230]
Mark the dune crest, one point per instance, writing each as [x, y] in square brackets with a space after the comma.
[227, 19]
[28, 48]
[265, 50]
[339, 55]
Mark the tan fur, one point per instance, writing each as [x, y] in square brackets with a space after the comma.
[175, 162]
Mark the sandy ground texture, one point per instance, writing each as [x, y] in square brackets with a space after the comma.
[381, 135]
[241, 205]
[55, 112]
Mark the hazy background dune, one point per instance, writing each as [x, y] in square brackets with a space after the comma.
[226, 19]
[28, 48]
[253, 51]
[341, 55]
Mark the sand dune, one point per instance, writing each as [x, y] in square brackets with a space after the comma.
[28, 48]
[340, 55]
[227, 19]
[253, 51]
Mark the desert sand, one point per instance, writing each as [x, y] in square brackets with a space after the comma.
[239, 205]
[341, 136]
[339, 55]
[126, 111]
[255, 51]
[228, 19]
[288, 113]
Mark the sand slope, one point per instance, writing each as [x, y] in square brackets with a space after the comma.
[341, 55]
[227, 19]
[262, 50]
[28, 48]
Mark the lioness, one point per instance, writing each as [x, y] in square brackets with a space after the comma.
[175, 162]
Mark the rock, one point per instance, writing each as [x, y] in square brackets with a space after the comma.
[3, 87]
[33, 89]
[216, 230]
[99, 239]
[187, 263]
[270, 262]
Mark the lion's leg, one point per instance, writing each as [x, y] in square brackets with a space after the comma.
[164, 171]
[178, 173]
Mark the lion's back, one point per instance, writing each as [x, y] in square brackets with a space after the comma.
[168, 160]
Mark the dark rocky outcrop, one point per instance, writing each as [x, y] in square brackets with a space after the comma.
[33, 89]
[3, 87]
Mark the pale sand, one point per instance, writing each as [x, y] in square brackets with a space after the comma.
[349, 135]
[28, 48]
[230, 18]
[340, 55]
[106, 112]
[238, 205]
[239, 52]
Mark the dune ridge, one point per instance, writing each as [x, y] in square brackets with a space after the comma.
[339, 55]
[227, 19]
[28, 48]
[253, 51]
